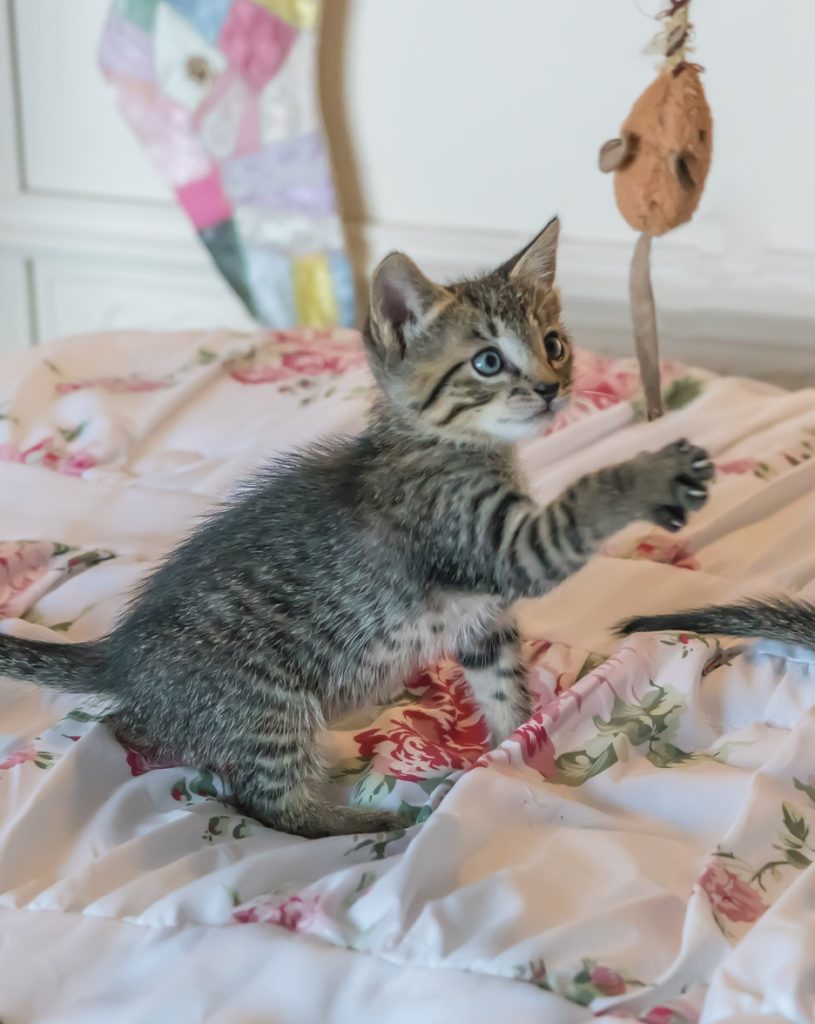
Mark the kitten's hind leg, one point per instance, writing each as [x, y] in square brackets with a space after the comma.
[493, 664]
[278, 772]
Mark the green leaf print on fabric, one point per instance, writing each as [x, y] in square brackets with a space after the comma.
[590, 981]
[679, 393]
[736, 889]
[227, 826]
[682, 391]
[367, 880]
[29, 753]
[378, 848]
[72, 433]
[196, 789]
[804, 788]
[629, 725]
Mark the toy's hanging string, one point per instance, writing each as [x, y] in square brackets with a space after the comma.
[672, 41]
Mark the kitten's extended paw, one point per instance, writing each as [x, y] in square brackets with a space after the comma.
[672, 482]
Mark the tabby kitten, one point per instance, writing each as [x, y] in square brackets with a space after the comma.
[343, 568]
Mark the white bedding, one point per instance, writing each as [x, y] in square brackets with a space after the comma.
[611, 860]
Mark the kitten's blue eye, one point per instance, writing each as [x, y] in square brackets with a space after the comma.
[488, 362]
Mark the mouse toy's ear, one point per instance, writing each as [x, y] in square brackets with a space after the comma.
[616, 153]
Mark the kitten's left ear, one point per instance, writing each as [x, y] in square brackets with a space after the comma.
[536, 262]
[403, 300]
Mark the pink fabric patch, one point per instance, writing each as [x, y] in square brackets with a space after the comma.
[255, 41]
[164, 128]
[204, 201]
[230, 99]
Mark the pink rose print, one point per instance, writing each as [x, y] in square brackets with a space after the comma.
[656, 548]
[445, 732]
[737, 466]
[21, 565]
[75, 463]
[681, 1013]
[133, 384]
[729, 895]
[49, 455]
[310, 363]
[602, 381]
[607, 981]
[296, 913]
[26, 753]
[288, 355]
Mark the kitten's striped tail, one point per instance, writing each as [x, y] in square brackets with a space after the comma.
[77, 668]
[778, 618]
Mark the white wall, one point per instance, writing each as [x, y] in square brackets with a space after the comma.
[487, 114]
[458, 127]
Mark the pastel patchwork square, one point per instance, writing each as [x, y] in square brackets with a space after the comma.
[207, 15]
[204, 201]
[140, 12]
[186, 64]
[164, 128]
[313, 291]
[227, 253]
[270, 275]
[229, 117]
[293, 175]
[222, 95]
[127, 49]
[255, 41]
[302, 13]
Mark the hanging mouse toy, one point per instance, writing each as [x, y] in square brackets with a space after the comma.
[660, 162]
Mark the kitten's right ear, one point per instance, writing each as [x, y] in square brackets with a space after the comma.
[402, 300]
[536, 262]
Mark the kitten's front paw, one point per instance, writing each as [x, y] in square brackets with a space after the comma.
[672, 482]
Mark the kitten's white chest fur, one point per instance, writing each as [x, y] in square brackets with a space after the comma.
[445, 623]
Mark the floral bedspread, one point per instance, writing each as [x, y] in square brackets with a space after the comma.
[640, 850]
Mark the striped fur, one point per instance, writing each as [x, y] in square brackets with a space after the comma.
[342, 569]
[774, 618]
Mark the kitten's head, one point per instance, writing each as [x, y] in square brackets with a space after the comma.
[480, 360]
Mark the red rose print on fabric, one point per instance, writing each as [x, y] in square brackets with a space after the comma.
[296, 354]
[26, 753]
[132, 384]
[601, 381]
[656, 548]
[607, 981]
[22, 564]
[737, 466]
[444, 732]
[296, 913]
[140, 764]
[49, 455]
[729, 896]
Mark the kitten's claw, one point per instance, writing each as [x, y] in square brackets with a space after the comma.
[672, 483]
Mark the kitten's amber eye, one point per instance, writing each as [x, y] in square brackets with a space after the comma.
[488, 362]
[555, 348]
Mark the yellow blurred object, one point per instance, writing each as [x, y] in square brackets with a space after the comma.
[302, 13]
[314, 291]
